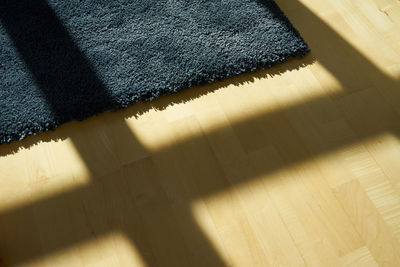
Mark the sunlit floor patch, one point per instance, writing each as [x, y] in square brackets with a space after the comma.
[39, 172]
[262, 99]
[112, 249]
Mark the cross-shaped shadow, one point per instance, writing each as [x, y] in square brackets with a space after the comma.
[133, 194]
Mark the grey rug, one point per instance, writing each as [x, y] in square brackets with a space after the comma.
[64, 60]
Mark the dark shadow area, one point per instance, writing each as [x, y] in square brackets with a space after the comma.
[147, 196]
[59, 68]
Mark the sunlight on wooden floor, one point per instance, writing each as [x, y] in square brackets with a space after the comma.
[289, 166]
[359, 23]
[39, 172]
[113, 249]
[264, 96]
[299, 198]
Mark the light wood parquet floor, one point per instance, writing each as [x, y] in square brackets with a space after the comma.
[298, 165]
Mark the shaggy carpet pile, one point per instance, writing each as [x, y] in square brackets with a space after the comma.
[64, 60]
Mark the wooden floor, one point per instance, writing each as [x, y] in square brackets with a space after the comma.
[298, 165]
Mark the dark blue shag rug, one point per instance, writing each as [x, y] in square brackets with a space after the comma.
[64, 60]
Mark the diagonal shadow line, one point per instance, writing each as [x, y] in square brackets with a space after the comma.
[330, 40]
[333, 52]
